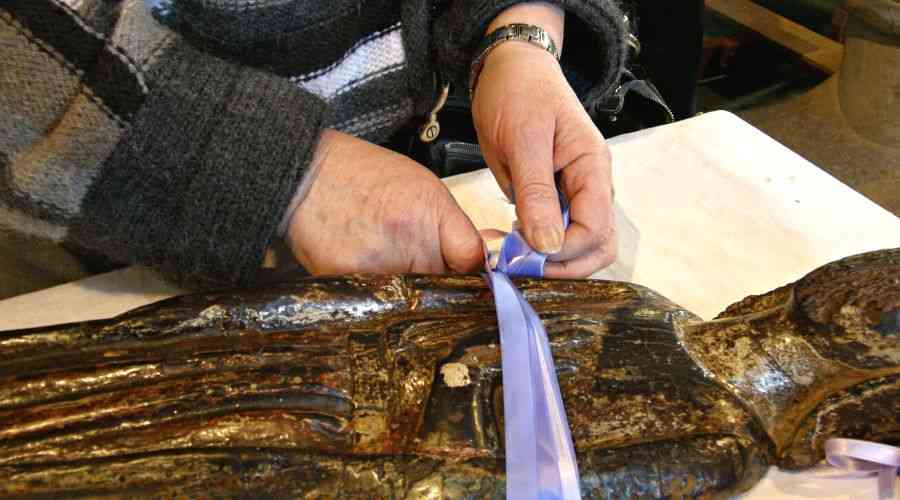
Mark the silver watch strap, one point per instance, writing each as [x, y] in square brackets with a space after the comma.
[519, 32]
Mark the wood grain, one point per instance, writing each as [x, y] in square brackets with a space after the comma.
[816, 50]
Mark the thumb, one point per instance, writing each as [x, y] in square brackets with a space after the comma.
[461, 245]
[537, 201]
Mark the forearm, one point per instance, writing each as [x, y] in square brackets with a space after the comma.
[185, 165]
[198, 185]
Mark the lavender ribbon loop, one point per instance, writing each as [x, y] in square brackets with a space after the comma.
[517, 259]
[867, 458]
[540, 456]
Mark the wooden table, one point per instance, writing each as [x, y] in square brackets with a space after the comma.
[709, 210]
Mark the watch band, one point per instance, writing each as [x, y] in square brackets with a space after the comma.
[519, 32]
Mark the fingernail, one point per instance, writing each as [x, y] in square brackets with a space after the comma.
[547, 239]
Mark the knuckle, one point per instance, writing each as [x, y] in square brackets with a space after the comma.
[534, 192]
[583, 144]
[604, 154]
[472, 247]
[604, 148]
[608, 257]
[430, 186]
[595, 242]
[577, 178]
[609, 249]
[474, 256]
[439, 200]
[467, 265]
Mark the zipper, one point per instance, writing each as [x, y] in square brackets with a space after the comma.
[463, 151]
[633, 42]
[432, 128]
[455, 157]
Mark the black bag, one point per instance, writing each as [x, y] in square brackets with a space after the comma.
[657, 88]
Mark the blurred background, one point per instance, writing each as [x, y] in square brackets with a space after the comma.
[820, 76]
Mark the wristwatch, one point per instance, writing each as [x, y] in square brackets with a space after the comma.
[520, 32]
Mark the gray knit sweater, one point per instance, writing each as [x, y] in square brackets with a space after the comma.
[173, 133]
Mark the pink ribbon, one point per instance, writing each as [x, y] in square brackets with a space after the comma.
[866, 458]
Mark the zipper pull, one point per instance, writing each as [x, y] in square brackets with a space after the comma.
[432, 128]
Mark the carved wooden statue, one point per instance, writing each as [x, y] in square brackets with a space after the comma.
[389, 387]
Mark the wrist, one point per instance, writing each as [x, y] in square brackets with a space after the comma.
[522, 30]
[547, 16]
[323, 147]
[519, 40]
[518, 49]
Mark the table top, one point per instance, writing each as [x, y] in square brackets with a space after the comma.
[709, 210]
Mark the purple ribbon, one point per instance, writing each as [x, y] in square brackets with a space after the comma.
[540, 457]
[866, 458]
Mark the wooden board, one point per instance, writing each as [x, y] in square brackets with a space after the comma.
[816, 50]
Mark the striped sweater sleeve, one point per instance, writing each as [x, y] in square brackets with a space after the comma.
[595, 27]
[185, 165]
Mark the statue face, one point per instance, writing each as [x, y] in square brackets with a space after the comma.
[853, 312]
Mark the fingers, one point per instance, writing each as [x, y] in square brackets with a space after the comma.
[461, 245]
[585, 251]
[580, 241]
[537, 203]
[584, 266]
[586, 183]
[374, 211]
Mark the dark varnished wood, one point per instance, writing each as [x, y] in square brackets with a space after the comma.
[341, 387]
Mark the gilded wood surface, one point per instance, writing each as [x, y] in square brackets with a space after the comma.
[389, 387]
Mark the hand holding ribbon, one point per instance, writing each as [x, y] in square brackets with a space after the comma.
[540, 456]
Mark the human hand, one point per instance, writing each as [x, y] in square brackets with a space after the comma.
[363, 208]
[531, 125]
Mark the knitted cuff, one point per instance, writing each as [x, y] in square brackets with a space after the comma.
[461, 27]
[200, 181]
